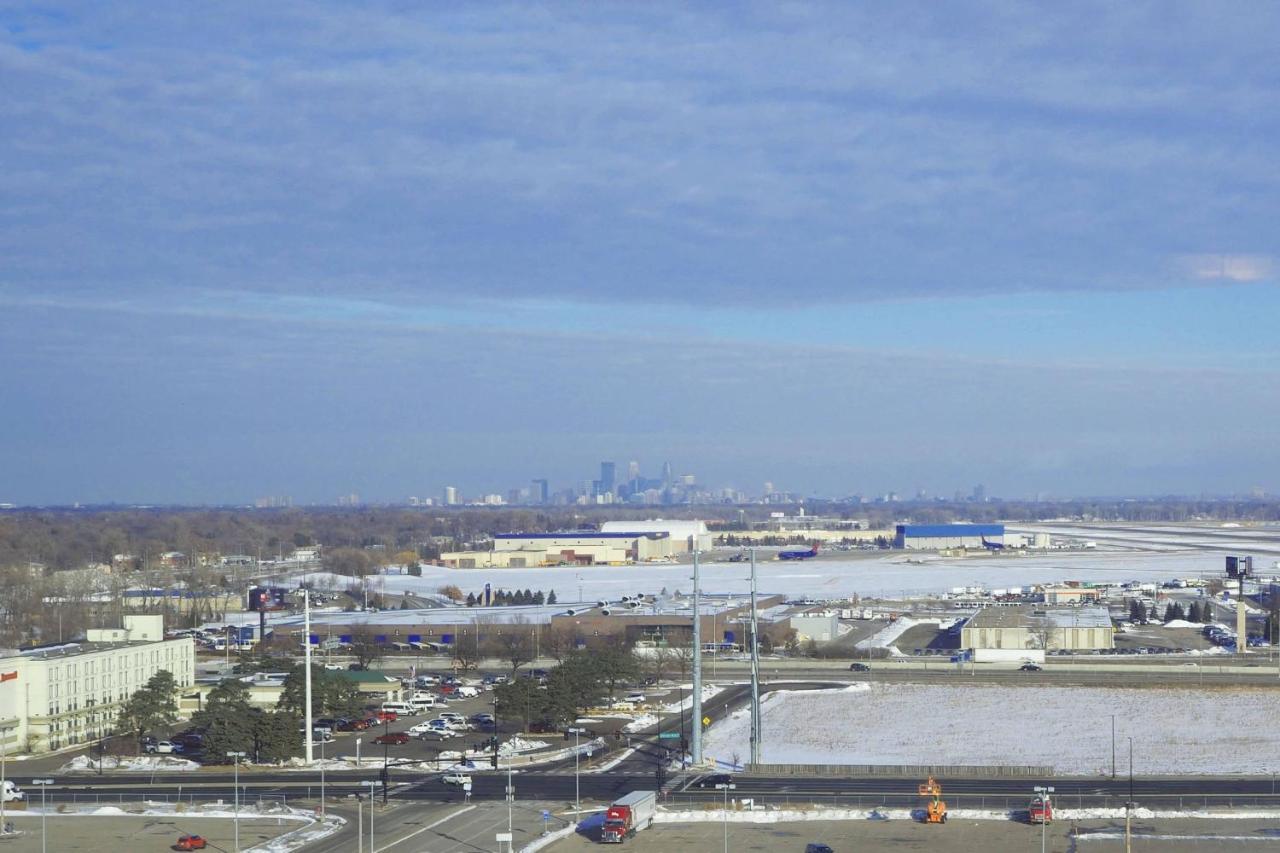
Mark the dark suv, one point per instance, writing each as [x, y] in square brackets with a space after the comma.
[859, 667]
[715, 779]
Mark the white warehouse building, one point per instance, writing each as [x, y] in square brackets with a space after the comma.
[685, 535]
[57, 696]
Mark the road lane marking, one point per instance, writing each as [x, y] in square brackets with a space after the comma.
[429, 826]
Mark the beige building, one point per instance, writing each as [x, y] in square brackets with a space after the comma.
[1071, 595]
[566, 548]
[1026, 633]
[58, 696]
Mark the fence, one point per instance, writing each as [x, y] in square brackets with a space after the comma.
[901, 770]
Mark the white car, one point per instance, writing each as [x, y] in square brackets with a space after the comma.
[635, 698]
[455, 778]
[164, 747]
[428, 726]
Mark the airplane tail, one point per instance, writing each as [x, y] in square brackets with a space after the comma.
[815, 549]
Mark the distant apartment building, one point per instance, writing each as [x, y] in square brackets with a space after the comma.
[450, 496]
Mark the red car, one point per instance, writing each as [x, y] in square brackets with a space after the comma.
[392, 739]
[385, 716]
[191, 842]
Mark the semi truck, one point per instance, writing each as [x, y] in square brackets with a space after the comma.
[628, 816]
[11, 792]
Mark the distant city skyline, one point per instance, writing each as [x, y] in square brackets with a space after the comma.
[376, 249]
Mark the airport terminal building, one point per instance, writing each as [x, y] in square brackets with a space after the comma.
[935, 536]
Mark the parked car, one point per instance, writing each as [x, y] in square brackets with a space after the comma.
[817, 848]
[385, 716]
[437, 734]
[456, 778]
[164, 747]
[483, 719]
[392, 739]
[191, 842]
[857, 667]
[634, 698]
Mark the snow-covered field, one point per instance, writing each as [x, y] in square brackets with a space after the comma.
[140, 764]
[890, 574]
[1174, 731]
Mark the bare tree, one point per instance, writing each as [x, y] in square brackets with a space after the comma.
[515, 644]
[364, 646]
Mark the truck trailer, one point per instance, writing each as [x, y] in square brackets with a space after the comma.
[628, 816]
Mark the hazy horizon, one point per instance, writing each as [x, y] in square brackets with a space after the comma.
[316, 249]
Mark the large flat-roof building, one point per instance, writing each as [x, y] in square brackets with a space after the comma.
[1020, 633]
[934, 536]
[567, 548]
[61, 695]
[685, 535]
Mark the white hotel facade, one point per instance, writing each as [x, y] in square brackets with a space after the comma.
[59, 696]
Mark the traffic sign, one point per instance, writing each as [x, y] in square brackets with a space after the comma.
[546, 815]
[706, 721]
[668, 735]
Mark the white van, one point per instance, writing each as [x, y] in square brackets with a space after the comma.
[11, 792]
[401, 709]
[422, 701]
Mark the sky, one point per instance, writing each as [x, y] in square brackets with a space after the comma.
[311, 249]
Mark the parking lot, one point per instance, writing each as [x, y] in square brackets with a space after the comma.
[140, 834]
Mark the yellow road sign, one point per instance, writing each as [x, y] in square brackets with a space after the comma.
[706, 721]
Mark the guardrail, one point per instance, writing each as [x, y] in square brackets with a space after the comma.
[713, 800]
[902, 770]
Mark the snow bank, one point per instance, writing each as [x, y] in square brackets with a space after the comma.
[1223, 731]
[140, 764]
[519, 744]
[614, 762]
[641, 722]
[549, 838]
[708, 691]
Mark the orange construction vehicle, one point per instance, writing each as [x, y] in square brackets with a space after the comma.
[936, 810]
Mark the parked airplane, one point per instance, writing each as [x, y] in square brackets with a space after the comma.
[799, 555]
[992, 546]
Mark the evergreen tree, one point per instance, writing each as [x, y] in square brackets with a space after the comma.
[276, 736]
[1193, 614]
[539, 598]
[528, 596]
[471, 599]
[151, 707]
[1135, 611]
[1169, 614]
[227, 720]
[551, 597]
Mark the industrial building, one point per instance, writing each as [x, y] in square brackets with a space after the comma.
[936, 536]
[61, 695]
[1026, 633]
[685, 535]
[567, 548]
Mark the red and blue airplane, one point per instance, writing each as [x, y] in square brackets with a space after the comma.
[799, 555]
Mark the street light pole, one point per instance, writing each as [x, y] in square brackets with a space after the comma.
[44, 810]
[1128, 807]
[755, 668]
[511, 796]
[322, 777]
[725, 814]
[1113, 746]
[1043, 793]
[577, 798]
[235, 759]
[696, 715]
[371, 783]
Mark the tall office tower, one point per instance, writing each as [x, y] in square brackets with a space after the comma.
[538, 494]
[633, 471]
[450, 495]
[608, 477]
[666, 474]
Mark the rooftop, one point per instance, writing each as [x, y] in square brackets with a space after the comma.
[1039, 617]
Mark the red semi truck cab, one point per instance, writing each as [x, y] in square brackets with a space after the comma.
[628, 816]
[1041, 810]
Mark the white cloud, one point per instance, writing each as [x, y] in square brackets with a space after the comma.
[1238, 268]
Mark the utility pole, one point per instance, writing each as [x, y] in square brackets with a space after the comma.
[306, 644]
[1128, 806]
[696, 722]
[755, 668]
[1113, 746]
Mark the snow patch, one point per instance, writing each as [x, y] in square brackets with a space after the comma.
[1225, 731]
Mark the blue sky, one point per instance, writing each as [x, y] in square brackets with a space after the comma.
[311, 249]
